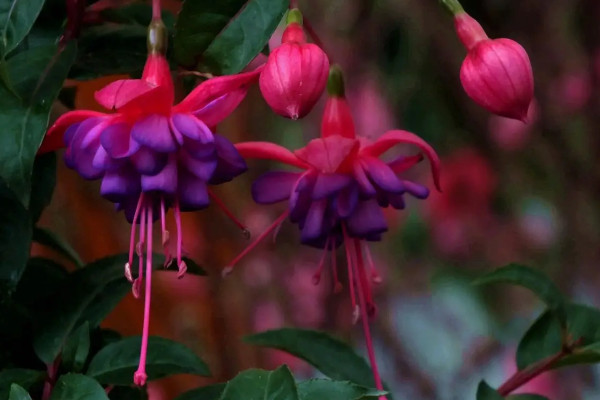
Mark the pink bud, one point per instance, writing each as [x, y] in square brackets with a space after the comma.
[496, 73]
[295, 75]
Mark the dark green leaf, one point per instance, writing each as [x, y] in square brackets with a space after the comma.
[486, 392]
[116, 363]
[18, 393]
[16, 19]
[541, 340]
[135, 13]
[210, 392]
[24, 119]
[245, 36]
[77, 348]
[23, 377]
[198, 23]
[48, 238]
[530, 278]
[318, 389]
[128, 393]
[526, 397]
[255, 384]
[42, 184]
[40, 281]
[331, 356]
[77, 387]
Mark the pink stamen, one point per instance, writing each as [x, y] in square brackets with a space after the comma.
[227, 270]
[132, 238]
[229, 214]
[317, 276]
[363, 282]
[337, 285]
[351, 282]
[181, 265]
[140, 377]
[165, 233]
[137, 284]
[365, 323]
[375, 277]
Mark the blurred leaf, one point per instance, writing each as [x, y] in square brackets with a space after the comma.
[41, 279]
[486, 392]
[331, 356]
[526, 397]
[18, 393]
[532, 279]
[77, 387]
[24, 119]
[77, 348]
[43, 181]
[23, 377]
[116, 363]
[244, 36]
[198, 24]
[16, 19]
[136, 13]
[256, 384]
[50, 239]
[210, 392]
[318, 389]
[544, 337]
[128, 393]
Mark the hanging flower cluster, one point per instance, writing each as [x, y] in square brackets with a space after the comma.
[152, 155]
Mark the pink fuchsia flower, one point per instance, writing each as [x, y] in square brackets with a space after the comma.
[152, 155]
[295, 74]
[337, 196]
[496, 73]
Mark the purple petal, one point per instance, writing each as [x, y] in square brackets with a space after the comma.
[70, 133]
[367, 219]
[192, 128]
[363, 181]
[301, 198]
[154, 132]
[328, 184]
[273, 187]
[165, 181]
[192, 192]
[419, 191]
[397, 201]
[346, 201]
[81, 157]
[199, 150]
[103, 161]
[382, 175]
[117, 140]
[203, 169]
[230, 163]
[313, 224]
[120, 184]
[149, 162]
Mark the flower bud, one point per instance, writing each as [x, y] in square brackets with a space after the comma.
[496, 73]
[295, 74]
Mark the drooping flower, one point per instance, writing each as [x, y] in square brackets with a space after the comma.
[496, 73]
[295, 74]
[152, 155]
[337, 197]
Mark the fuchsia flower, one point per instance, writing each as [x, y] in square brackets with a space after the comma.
[152, 155]
[338, 196]
[496, 73]
[295, 74]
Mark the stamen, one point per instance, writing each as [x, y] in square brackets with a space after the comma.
[165, 234]
[375, 277]
[128, 272]
[140, 377]
[132, 238]
[228, 213]
[362, 279]
[137, 284]
[337, 285]
[351, 282]
[181, 266]
[365, 322]
[227, 270]
[317, 276]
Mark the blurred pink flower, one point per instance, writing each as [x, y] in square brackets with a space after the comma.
[572, 90]
[372, 114]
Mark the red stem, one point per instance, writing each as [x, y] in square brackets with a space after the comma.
[51, 379]
[156, 10]
[75, 11]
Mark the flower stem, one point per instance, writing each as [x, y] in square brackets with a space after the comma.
[453, 6]
[156, 10]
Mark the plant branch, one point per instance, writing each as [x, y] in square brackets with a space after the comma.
[453, 6]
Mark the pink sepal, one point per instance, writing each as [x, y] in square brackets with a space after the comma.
[54, 137]
[269, 151]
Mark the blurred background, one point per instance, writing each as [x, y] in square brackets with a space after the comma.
[513, 192]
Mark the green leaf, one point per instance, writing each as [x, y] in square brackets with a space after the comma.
[43, 181]
[541, 340]
[245, 36]
[530, 278]
[198, 24]
[486, 392]
[116, 363]
[77, 387]
[331, 356]
[318, 389]
[77, 348]
[23, 377]
[24, 119]
[16, 19]
[128, 393]
[41, 279]
[210, 392]
[50, 239]
[526, 397]
[18, 393]
[255, 384]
